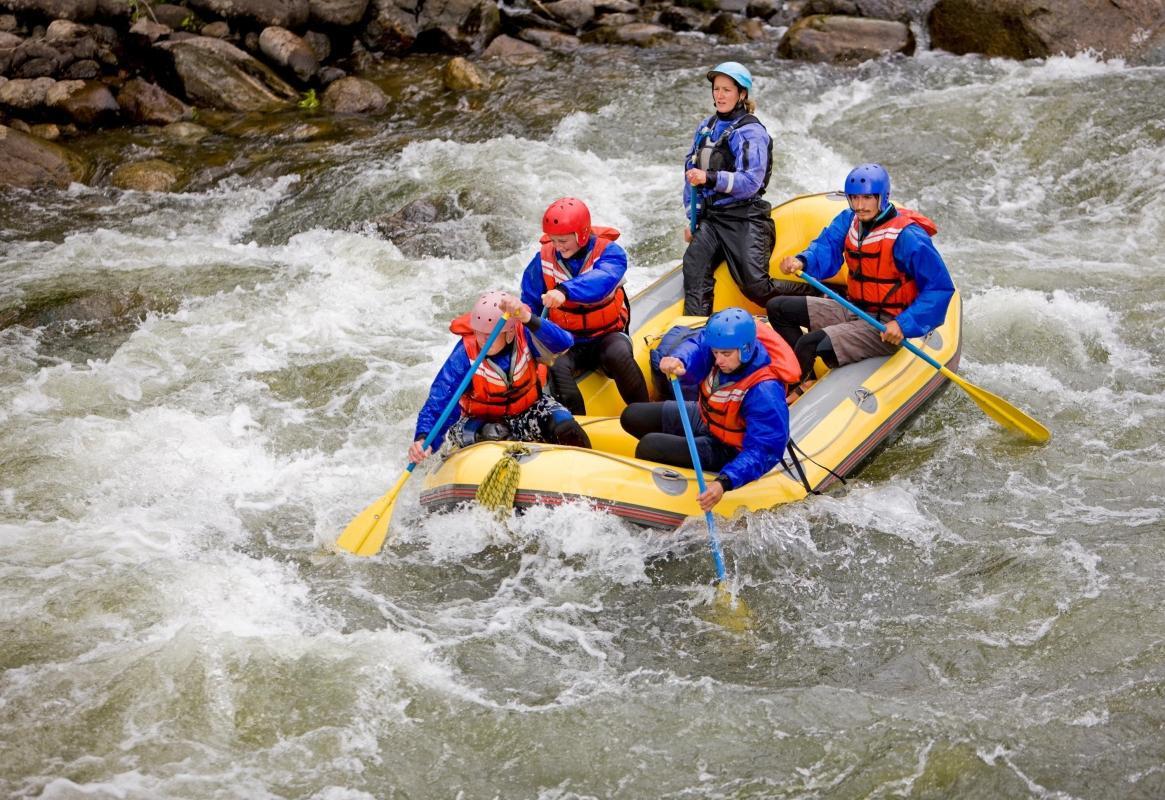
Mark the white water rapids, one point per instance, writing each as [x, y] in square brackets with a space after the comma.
[973, 617]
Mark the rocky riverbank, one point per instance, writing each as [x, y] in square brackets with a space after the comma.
[69, 66]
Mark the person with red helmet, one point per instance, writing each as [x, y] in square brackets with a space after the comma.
[577, 278]
[895, 274]
[507, 398]
[725, 174]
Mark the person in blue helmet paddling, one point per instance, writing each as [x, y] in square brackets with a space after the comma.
[577, 277]
[895, 274]
[506, 398]
[725, 175]
[740, 422]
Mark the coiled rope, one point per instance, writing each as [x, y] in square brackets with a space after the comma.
[497, 489]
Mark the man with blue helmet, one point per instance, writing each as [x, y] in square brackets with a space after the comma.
[741, 421]
[895, 274]
[725, 173]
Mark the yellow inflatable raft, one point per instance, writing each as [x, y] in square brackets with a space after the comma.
[838, 422]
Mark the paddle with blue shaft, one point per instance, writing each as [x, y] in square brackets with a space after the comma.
[733, 613]
[992, 405]
[365, 535]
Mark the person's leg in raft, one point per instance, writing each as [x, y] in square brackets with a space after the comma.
[659, 430]
[700, 260]
[549, 421]
[617, 358]
[563, 385]
[748, 236]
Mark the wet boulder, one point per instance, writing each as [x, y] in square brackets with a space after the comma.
[550, 40]
[896, 10]
[55, 9]
[639, 34]
[88, 103]
[1020, 29]
[844, 40]
[292, 53]
[153, 175]
[575, 14]
[513, 51]
[461, 75]
[283, 13]
[25, 93]
[149, 104]
[340, 13]
[351, 95]
[216, 74]
[28, 162]
[452, 26]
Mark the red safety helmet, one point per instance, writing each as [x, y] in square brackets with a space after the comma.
[486, 312]
[568, 215]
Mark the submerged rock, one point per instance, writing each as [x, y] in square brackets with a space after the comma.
[28, 162]
[352, 95]
[834, 39]
[153, 175]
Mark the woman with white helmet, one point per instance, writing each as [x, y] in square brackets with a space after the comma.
[726, 172]
[506, 398]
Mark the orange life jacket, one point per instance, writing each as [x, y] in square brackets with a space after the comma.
[721, 406]
[875, 282]
[586, 320]
[493, 394]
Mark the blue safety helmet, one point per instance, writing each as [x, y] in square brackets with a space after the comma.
[738, 73]
[870, 179]
[732, 329]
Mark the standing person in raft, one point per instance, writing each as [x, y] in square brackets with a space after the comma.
[743, 422]
[895, 275]
[506, 398]
[725, 175]
[578, 276]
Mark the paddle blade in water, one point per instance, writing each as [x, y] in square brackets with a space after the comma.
[365, 535]
[729, 611]
[1002, 411]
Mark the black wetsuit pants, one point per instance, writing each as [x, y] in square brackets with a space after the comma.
[614, 354]
[660, 432]
[743, 236]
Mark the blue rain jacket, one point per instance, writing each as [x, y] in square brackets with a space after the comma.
[914, 254]
[765, 412]
[590, 287]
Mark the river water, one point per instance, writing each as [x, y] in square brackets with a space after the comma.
[973, 616]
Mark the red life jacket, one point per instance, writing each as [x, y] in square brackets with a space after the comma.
[493, 394]
[875, 282]
[721, 406]
[586, 320]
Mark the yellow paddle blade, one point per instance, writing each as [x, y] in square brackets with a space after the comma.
[1000, 410]
[729, 611]
[365, 535]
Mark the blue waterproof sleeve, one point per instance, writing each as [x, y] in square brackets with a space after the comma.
[825, 254]
[589, 287]
[915, 255]
[440, 393]
[766, 432]
[544, 335]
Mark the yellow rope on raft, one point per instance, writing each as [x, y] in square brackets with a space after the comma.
[498, 488]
